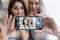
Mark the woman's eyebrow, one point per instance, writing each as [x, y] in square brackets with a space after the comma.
[31, 2]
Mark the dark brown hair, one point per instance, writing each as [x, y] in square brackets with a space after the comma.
[23, 21]
[12, 2]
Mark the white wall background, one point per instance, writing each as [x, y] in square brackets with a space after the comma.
[52, 7]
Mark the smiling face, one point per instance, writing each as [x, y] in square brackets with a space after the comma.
[34, 6]
[18, 9]
[25, 21]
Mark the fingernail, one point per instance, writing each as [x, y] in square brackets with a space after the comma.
[14, 16]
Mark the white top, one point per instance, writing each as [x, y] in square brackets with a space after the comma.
[45, 36]
[32, 26]
[50, 37]
[22, 27]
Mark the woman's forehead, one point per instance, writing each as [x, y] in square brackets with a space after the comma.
[18, 3]
[33, 0]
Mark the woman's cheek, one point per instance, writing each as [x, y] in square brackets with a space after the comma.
[22, 12]
[15, 12]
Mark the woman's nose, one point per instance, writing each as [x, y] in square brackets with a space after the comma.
[34, 6]
[19, 11]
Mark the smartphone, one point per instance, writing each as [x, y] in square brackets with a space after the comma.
[28, 23]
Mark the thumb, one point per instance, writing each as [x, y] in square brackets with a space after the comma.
[39, 14]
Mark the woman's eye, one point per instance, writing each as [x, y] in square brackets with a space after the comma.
[31, 3]
[15, 8]
[36, 3]
[21, 8]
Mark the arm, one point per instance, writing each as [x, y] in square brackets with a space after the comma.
[50, 23]
[24, 34]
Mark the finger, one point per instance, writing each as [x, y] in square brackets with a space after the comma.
[47, 18]
[9, 19]
[44, 16]
[41, 15]
[6, 18]
[13, 22]
[38, 14]
[38, 31]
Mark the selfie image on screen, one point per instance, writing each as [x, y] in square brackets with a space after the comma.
[29, 23]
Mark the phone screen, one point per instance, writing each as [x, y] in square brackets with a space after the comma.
[28, 22]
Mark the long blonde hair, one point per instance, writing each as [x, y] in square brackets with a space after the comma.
[40, 9]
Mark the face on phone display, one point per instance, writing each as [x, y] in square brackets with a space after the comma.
[28, 22]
